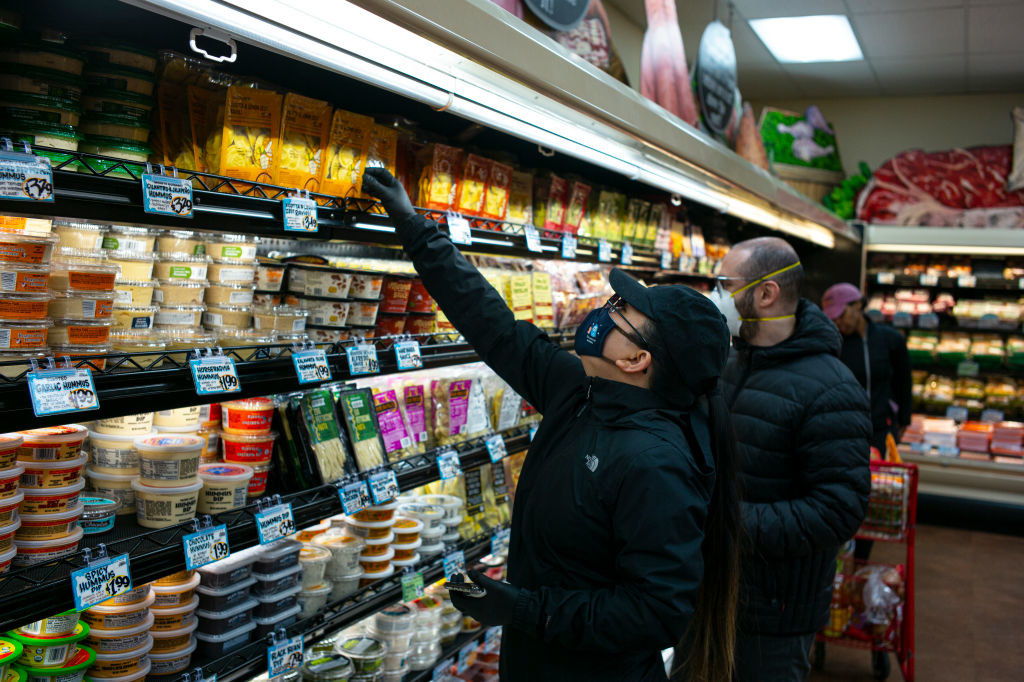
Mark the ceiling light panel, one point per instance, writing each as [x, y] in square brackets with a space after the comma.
[799, 40]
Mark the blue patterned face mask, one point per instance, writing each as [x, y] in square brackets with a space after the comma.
[592, 332]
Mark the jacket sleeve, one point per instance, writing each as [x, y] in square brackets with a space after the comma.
[517, 351]
[657, 521]
[902, 385]
[835, 480]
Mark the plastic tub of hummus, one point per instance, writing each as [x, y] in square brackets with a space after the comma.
[119, 641]
[186, 340]
[258, 482]
[81, 305]
[232, 272]
[41, 81]
[129, 238]
[282, 318]
[135, 595]
[16, 335]
[135, 266]
[7, 533]
[134, 293]
[74, 671]
[172, 663]
[52, 500]
[60, 625]
[122, 127]
[117, 487]
[121, 664]
[168, 461]
[180, 316]
[80, 332]
[363, 313]
[233, 338]
[180, 416]
[157, 507]
[109, 454]
[248, 448]
[131, 425]
[9, 479]
[118, 617]
[181, 243]
[24, 279]
[172, 596]
[118, 54]
[176, 617]
[269, 275]
[51, 526]
[42, 134]
[47, 475]
[251, 416]
[48, 652]
[145, 346]
[171, 641]
[230, 295]
[24, 306]
[9, 508]
[266, 299]
[32, 552]
[327, 334]
[233, 248]
[175, 292]
[119, 78]
[75, 274]
[125, 150]
[9, 444]
[227, 316]
[224, 487]
[44, 55]
[99, 515]
[366, 285]
[118, 103]
[25, 107]
[52, 443]
[26, 249]
[325, 313]
[135, 317]
[178, 267]
[77, 234]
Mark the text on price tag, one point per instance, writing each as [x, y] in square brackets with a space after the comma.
[929, 280]
[454, 562]
[492, 638]
[61, 391]
[627, 254]
[164, 195]
[448, 464]
[412, 586]
[496, 447]
[311, 366]
[215, 374]
[284, 656]
[206, 546]
[362, 359]
[407, 355]
[299, 215]
[100, 581]
[500, 541]
[604, 251]
[383, 487]
[666, 260]
[355, 497]
[568, 245]
[25, 177]
[458, 229]
[275, 523]
[532, 238]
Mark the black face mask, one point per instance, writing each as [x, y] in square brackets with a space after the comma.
[594, 330]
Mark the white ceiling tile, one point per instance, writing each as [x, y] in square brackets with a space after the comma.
[910, 34]
[921, 76]
[995, 73]
[996, 28]
[862, 6]
[758, 9]
[834, 79]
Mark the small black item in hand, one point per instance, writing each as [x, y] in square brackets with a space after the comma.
[463, 587]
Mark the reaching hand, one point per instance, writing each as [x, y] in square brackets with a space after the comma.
[497, 607]
[379, 183]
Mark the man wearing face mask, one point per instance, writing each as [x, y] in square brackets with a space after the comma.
[626, 512]
[802, 427]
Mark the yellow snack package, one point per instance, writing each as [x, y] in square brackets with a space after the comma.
[519, 294]
[347, 147]
[305, 124]
[383, 152]
[206, 116]
[520, 198]
[252, 126]
[543, 309]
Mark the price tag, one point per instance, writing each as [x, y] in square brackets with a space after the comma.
[100, 581]
[355, 497]
[929, 280]
[496, 447]
[534, 428]
[500, 541]
[492, 638]
[454, 562]
[462, 662]
[164, 195]
[458, 229]
[311, 366]
[448, 464]
[275, 523]
[903, 320]
[886, 278]
[25, 177]
[928, 321]
[412, 586]
[407, 355]
[666, 260]
[627, 254]
[967, 281]
[568, 245]
[442, 671]
[299, 215]
[215, 374]
[362, 360]
[967, 368]
[604, 251]
[992, 416]
[1020, 283]
[532, 238]
[60, 391]
[206, 546]
[284, 656]
[958, 414]
[988, 321]
[383, 487]
[684, 263]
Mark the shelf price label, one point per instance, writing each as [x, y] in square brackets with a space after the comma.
[500, 541]
[299, 215]
[311, 366]
[61, 391]
[568, 245]
[604, 251]
[383, 487]
[462, 662]
[886, 278]
[412, 586]
[206, 546]
[454, 562]
[458, 229]
[442, 671]
[284, 656]
[100, 581]
[627, 254]
[967, 281]
[407, 355]
[992, 416]
[275, 523]
[25, 177]
[215, 374]
[534, 428]
[929, 280]
[957, 414]
[448, 464]
[362, 359]
[666, 260]
[532, 238]
[967, 368]
[164, 195]
[492, 638]
[354, 497]
[496, 447]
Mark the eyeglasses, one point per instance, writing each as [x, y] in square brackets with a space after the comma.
[617, 305]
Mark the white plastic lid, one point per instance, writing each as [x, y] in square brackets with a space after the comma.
[140, 675]
[386, 556]
[62, 464]
[369, 524]
[400, 563]
[10, 527]
[54, 434]
[16, 499]
[127, 632]
[225, 636]
[436, 548]
[75, 536]
[411, 545]
[246, 605]
[8, 555]
[387, 506]
[273, 620]
[314, 554]
[137, 486]
[174, 610]
[129, 439]
[126, 608]
[177, 632]
[180, 653]
[227, 472]
[380, 576]
[386, 540]
[131, 653]
[230, 589]
[159, 444]
[176, 429]
[416, 528]
[72, 513]
[180, 587]
[12, 472]
[48, 492]
[110, 478]
[322, 588]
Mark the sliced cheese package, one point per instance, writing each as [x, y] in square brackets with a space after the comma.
[206, 117]
[543, 306]
[325, 438]
[305, 124]
[519, 294]
[347, 147]
[439, 180]
[498, 189]
[576, 207]
[520, 198]
[250, 138]
[361, 423]
[472, 185]
[383, 151]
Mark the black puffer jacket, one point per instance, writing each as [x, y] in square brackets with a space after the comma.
[802, 424]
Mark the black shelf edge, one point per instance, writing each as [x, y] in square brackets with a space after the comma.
[982, 284]
[937, 368]
[449, 652]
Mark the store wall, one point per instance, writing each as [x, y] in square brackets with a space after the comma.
[627, 38]
[874, 129]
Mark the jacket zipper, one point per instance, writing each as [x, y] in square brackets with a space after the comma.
[586, 400]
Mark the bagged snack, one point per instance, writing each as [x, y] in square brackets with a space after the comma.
[414, 406]
[469, 198]
[175, 132]
[206, 117]
[252, 128]
[550, 198]
[478, 419]
[321, 422]
[579, 195]
[520, 198]
[361, 422]
[497, 195]
[397, 442]
[450, 406]
[347, 148]
[305, 123]
[438, 180]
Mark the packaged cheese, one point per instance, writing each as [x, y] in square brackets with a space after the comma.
[543, 309]
[498, 186]
[252, 126]
[347, 147]
[305, 124]
[550, 198]
[438, 180]
[383, 151]
[472, 185]
[519, 294]
[520, 198]
[579, 196]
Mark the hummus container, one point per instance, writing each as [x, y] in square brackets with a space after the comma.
[406, 555]
[396, 290]
[50, 526]
[181, 416]
[28, 279]
[48, 652]
[277, 556]
[135, 265]
[230, 295]
[395, 619]
[80, 332]
[314, 561]
[238, 248]
[125, 150]
[24, 306]
[366, 285]
[135, 595]
[116, 487]
[52, 500]
[176, 617]
[243, 448]
[266, 299]
[390, 325]
[376, 513]
[132, 425]
[224, 487]
[179, 316]
[269, 275]
[80, 276]
[177, 292]
[168, 461]
[41, 81]
[20, 107]
[362, 313]
[48, 475]
[44, 55]
[61, 625]
[276, 583]
[181, 243]
[98, 516]
[258, 482]
[432, 515]
[178, 267]
[345, 586]
[121, 127]
[369, 530]
[109, 454]
[172, 596]
[376, 547]
[282, 318]
[134, 293]
[314, 598]
[74, 671]
[230, 572]
[172, 641]
[135, 317]
[325, 313]
[26, 249]
[407, 530]
[176, 578]
[229, 316]
[232, 273]
[9, 508]
[9, 445]
[171, 663]
[82, 305]
[145, 347]
[119, 641]
[224, 598]
[118, 617]
[366, 653]
[377, 564]
[251, 416]
[319, 281]
[118, 54]
[345, 551]
[40, 134]
[75, 234]
[42, 551]
[52, 443]
[119, 78]
[216, 646]
[118, 103]
[186, 340]
[157, 507]
[129, 239]
[306, 535]
[122, 664]
[9, 479]
[234, 338]
[217, 623]
[7, 559]
[7, 533]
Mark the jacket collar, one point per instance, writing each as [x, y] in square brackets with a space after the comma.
[614, 401]
[814, 334]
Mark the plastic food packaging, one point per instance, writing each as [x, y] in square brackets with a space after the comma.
[247, 416]
[26, 249]
[277, 556]
[168, 461]
[77, 234]
[9, 509]
[74, 671]
[181, 242]
[406, 555]
[117, 487]
[179, 316]
[15, 335]
[407, 530]
[171, 663]
[269, 275]
[171, 596]
[134, 293]
[282, 318]
[48, 652]
[232, 272]
[377, 513]
[176, 578]
[49, 526]
[182, 416]
[274, 583]
[219, 622]
[91, 333]
[265, 626]
[25, 306]
[121, 664]
[230, 295]
[132, 425]
[314, 561]
[9, 479]
[7, 534]
[227, 317]
[119, 78]
[345, 552]
[135, 595]
[51, 500]
[39, 551]
[229, 572]
[377, 563]
[366, 653]
[273, 605]
[82, 305]
[314, 598]
[344, 586]
[7, 559]
[224, 487]
[109, 454]
[258, 482]
[128, 239]
[180, 292]
[171, 641]
[45, 475]
[363, 313]
[98, 515]
[120, 641]
[360, 419]
[162, 507]
[235, 247]
[118, 54]
[217, 599]
[176, 617]
[60, 625]
[326, 313]
[216, 646]
[135, 266]
[118, 617]
[25, 279]
[175, 267]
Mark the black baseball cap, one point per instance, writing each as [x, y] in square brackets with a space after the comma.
[691, 327]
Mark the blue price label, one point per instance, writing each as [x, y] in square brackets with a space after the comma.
[666, 260]
[60, 391]
[25, 177]
[284, 656]
[311, 366]
[215, 374]
[164, 195]
[466, 657]
[355, 497]
[299, 215]
[627, 254]
[448, 464]
[500, 541]
[407, 355]
[100, 581]
[604, 251]
[383, 487]
[454, 562]
[362, 359]
[458, 229]
[568, 245]
[275, 523]
[534, 428]
[532, 238]
[206, 546]
[492, 639]
[496, 447]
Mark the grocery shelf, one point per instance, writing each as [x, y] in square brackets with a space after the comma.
[30, 593]
[963, 478]
[944, 240]
[953, 370]
[450, 652]
[884, 280]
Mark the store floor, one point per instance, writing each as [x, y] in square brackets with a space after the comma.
[970, 611]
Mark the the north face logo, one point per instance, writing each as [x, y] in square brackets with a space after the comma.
[591, 462]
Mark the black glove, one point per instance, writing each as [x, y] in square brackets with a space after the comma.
[497, 607]
[379, 183]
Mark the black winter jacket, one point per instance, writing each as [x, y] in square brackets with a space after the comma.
[890, 376]
[802, 428]
[611, 503]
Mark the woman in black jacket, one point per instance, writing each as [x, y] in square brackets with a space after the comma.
[626, 516]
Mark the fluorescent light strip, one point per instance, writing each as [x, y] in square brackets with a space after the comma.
[947, 248]
[374, 227]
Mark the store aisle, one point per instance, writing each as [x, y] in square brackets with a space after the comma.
[970, 611]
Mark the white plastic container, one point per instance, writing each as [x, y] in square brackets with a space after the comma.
[46, 475]
[162, 507]
[345, 552]
[182, 416]
[345, 585]
[118, 641]
[132, 425]
[52, 443]
[110, 454]
[224, 487]
[176, 617]
[35, 552]
[314, 598]
[123, 664]
[116, 487]
[171, 596]
[51, 526]
[120, 617]
[169, 461]
[51, 500]
[314, 561]
[172, 641]
[172, 663]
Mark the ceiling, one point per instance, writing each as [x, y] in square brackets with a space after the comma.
[911, 47]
